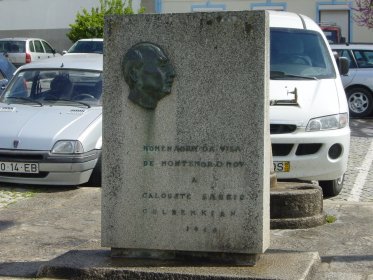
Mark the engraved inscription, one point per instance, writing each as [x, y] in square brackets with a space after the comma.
[205, 208]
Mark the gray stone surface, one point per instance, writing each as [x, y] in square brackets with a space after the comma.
[193, 174]
[296, 205]
[97, 264]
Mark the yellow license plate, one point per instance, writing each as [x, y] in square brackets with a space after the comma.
[281, 166]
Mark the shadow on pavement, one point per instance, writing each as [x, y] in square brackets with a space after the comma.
[20, 269]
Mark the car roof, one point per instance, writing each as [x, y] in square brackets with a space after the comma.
[82, 61]
[360, 46]
[19, 39]
[284, 19]
[91, 39]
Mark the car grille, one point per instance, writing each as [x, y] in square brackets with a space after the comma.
[307, 149]
[19, 156]
[281, 150]
[282, 128]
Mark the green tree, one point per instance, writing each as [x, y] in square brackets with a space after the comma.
[91, 24]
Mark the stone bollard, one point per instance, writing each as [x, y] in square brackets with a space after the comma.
[296, 205]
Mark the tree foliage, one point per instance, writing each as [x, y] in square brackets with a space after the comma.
[90, 24]
[363, 15]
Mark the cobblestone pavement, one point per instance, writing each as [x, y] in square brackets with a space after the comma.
[358, 185]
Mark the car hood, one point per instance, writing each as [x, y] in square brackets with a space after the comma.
[315, 98]
[38, 128]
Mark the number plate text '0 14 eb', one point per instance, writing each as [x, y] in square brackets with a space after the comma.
[19, 167]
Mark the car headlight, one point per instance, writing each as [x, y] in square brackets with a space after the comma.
[67, 147]
[328, 122]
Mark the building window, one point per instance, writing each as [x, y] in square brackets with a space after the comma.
[208, 7]
[268, 5]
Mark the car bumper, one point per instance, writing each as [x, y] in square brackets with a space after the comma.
[53, 169]
[309, 153]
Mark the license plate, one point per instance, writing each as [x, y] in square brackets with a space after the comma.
[19, 167]
[281, 166]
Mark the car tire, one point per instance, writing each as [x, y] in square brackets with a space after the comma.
[333, 187]
[96, 176]
[360, 102]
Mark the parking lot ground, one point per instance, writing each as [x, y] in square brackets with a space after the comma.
[52, 222]
[37, 230]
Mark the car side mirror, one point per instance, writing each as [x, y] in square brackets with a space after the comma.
[64, 52]
[343, 65]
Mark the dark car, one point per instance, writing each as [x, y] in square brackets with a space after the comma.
[6, 71]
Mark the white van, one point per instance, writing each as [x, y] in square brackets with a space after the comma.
[309, 118]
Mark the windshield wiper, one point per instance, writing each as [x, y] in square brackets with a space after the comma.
[68, 100]
[29, 100]
[281, 75]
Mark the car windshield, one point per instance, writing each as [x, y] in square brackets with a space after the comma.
[55, 87]
[87, 47]
[299, 54]
[12, 46]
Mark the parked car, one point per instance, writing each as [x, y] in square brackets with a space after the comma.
[309, 117]
[94, 45]
[358, 82]
[6, 72]
[20, 51]
[55, 111]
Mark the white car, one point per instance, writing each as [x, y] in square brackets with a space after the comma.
[309, 117]
[358, 82]
[51, 116]
[93, 45]
[20, 51]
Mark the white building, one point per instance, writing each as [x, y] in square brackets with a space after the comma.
[47, 19]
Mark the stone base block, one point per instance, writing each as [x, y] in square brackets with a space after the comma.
[98, 264]
[187, 256]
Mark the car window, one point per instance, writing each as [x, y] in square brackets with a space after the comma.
[87, 47]
[31, 46]
[12, 46]
[47, 47]
[364, 58]
[54, 85]
[347, 54]
[38, 46]
[2, 77]
[301, 53]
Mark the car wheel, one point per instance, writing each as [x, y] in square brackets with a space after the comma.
[360, 102]
[95, 179]
[332, 187]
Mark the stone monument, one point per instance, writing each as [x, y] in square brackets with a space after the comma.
[186, 158]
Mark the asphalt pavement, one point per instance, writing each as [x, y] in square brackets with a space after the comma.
[40, 225]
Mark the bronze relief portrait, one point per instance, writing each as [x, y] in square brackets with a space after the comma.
[148, 73]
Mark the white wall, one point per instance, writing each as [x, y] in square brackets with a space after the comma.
[41, 14]
[44, 14]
